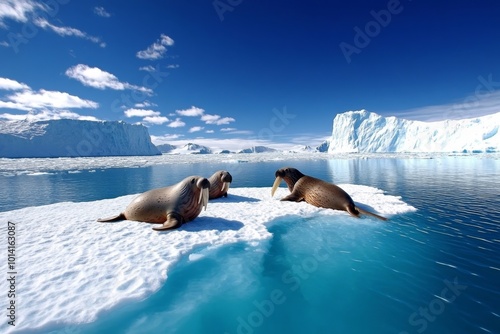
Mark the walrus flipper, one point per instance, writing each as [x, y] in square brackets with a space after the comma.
[171, 222]
[370, 214]
[116, 218]
[293, 198]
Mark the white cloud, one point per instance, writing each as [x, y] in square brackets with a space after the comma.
[191, 112]
[227, 129]
[100, 11]
[9, 84]
[196, 129]
[210, 119]
[145, 104]
[148, 68]
[178, 123]
[67, 31]
[140, 113]
[173, 66]
[164, 139]
[45, 115]
[216, 119]
[209, 131]
[156, 50]
[4, 43]
[225, 120]
[43, 99]
[97, 78]
[158, 120]
[486, 101]
[18, 10]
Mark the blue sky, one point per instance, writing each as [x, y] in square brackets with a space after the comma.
[236, 73]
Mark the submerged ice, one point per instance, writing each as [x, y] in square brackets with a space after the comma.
[75, 262]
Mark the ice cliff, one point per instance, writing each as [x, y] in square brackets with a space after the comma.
[73, 138]
[363, 131]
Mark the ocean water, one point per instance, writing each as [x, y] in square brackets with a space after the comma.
[435, 270]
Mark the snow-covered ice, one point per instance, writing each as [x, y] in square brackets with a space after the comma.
[363, 131]
[70, 267]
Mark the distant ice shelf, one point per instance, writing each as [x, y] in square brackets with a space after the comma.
[73, 138]
[363, 131]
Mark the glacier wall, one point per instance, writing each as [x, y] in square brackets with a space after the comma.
[73, 138]
[363, 131]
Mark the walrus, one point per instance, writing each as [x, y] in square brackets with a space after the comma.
[316, 192]
[219, 184]
[171, 206]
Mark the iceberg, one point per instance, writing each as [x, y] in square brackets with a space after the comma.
[72, 267]
[363, 132]
[73, 138]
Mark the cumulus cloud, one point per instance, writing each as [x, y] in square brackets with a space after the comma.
[164, 139]
[18, 10]
[45, 115]
[148, 68]
[178, 123]
[132, 112]
[191, 112]
[216, 119]
[67, 31]
[9, 84]
[172, 66]
[156, 50]
[100, 11]
[209, 131]
[145, 104]
[196, 129]
[157, 120]
[97, 78]
[44, 99]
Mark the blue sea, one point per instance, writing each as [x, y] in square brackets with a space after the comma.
[435, 270]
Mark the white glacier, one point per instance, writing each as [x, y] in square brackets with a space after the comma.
[73, 138]
[363, 131]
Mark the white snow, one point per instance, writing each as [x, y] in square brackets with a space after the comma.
[70, 267]
[363, 131]
[73, 138]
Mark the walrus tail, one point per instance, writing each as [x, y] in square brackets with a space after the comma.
[370, 214]
[116, 218]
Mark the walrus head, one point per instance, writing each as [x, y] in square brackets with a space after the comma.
[221, 177]
[289, 175]
[204, 186]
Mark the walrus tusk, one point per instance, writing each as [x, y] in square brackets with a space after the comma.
[205, 193]
[225, 186]
[276, 185]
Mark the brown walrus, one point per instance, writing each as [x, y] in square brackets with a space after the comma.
[171, 206]
[219, 184]
[316, 192]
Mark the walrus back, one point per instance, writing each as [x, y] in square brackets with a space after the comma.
[314, 193]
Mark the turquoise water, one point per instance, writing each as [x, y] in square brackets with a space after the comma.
[435, 270]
